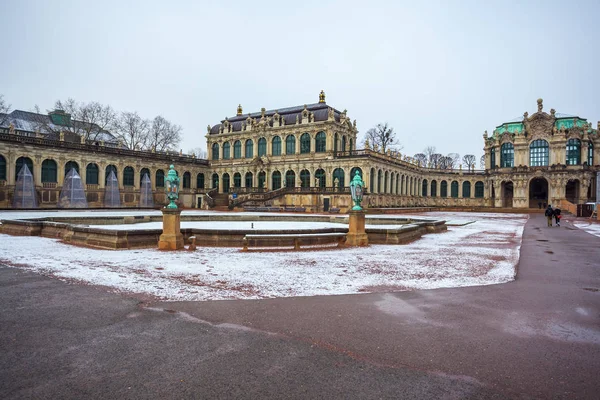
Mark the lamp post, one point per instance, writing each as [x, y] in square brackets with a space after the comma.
[356, 191]
[172, 187]
[356, 220]
[171, 238]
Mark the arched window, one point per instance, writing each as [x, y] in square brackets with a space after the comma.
[573, 152]
[128, 179]
[305, 143]
[350, 144]
[19, 165]
[454, 189]
[226, 151]
[276, 146]
[320, 175]
[353, 173]
[343, 143]
[262, 178]
[397, 183]
[215, 181]
[433, 188]
[335, 142]
[538, 153]
[493, 158]
[144, 171]
[91, 174]
[187, 180]
[215, 151]
[237, 150]
[262, 147]
[424, 188]
[276, 180]
[379, 179]
[338, 174]
[320, 142]
[466, 189]
[49, 171]
[237, 180]
[290, 179]
[402, 185]
[248, 180]
[305, 178]
[200, 181]
[109, 169]
[372, 181]
[507, 155]
[290, 144]
[2, 168]
[160, 178]
[385, 182]
[590, 157]
[444, 189]
[479, 189]
[226, 182]
[249, 148]
[71, 165]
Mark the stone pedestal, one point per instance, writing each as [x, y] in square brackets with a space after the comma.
[356, 230]
[171, 238]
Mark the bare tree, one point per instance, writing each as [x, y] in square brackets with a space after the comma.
[199, 152]
[469, 161]
[445, 162]
[89, 120]
[429, 151]
[4, 109]
[434, 160]
[383, 136]
[421, 159]
[454, 158]
[482, 162]
[133, 130]
[163, 135]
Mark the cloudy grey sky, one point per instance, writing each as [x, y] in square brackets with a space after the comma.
[440, 72]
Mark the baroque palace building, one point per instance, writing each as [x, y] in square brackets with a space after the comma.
[304, 157]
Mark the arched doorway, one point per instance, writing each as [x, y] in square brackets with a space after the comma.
[572, 190]
[507, 194]
[538, 193]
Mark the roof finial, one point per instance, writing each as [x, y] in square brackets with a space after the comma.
[540, 104]
[322, 97]
[239, 109]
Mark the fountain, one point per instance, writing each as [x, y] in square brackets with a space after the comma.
[146, 192]
[25, 195]
[72, 194]
[112, 197]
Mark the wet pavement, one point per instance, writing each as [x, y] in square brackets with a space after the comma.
[536, 337]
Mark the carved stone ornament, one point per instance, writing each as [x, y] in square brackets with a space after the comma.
[539, 124]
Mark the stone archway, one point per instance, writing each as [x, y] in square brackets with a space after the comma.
[507, 194]
[538, 193]
[572, 190]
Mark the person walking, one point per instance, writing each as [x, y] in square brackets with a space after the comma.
[549, 214]
[557, 216]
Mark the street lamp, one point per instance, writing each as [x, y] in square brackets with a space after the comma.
[356, 190]
[172, 187]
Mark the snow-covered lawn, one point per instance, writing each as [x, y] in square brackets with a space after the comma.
[481, 253]
[589, 227]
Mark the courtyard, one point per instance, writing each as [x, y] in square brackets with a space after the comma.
[478, 249]
[534, 337]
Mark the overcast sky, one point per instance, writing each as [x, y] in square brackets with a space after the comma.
[439, 72]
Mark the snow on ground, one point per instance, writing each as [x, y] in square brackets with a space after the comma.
[481, 253]
[589, 227]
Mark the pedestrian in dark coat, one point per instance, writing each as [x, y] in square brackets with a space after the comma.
[557, 216]
[549, 214]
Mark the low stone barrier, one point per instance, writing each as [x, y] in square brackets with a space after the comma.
[296, 241]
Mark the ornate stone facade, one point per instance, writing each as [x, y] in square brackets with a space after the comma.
[305, 157]
[541, 159]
